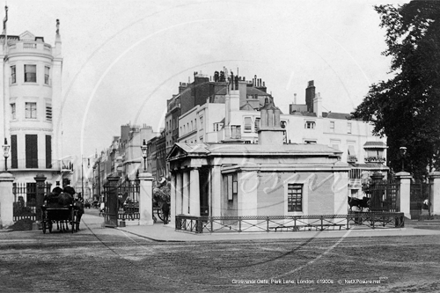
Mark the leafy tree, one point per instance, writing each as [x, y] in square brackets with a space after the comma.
[406, 108]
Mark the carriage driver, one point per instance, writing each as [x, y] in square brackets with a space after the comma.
[67, 188]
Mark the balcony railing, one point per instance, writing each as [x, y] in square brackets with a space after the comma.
[375, 160]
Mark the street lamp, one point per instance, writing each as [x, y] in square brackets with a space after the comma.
[402, 156]
[144, 154]
[6, 148]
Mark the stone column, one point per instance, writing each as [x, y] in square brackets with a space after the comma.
[185, 197]
[216, 192]
[194, 202]
[178, 187]
[434, 199]
[146, 199]
[6, 199]
[40, 179]
[403, 201]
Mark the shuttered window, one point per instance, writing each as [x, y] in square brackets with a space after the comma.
[14, 159]
[48, 151]
[31, 151]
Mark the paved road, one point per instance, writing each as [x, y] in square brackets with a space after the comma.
[100, 259]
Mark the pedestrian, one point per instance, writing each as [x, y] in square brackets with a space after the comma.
[166, 212]
[101, 208]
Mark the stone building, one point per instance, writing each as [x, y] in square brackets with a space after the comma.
[268, 178]
[31, 82]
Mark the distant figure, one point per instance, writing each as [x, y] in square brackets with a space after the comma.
[425, 204]
[101, 208]
[166, 212]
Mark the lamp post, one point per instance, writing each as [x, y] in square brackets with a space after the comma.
[402, 156]
[144, 154]
[82, 176]
[6, 148]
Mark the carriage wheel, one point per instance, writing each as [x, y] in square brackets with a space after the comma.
[160, 214]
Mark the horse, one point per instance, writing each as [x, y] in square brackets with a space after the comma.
[64, 200]
[78, 205]
[359, 203]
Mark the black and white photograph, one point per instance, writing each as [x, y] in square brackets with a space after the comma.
[220, 146]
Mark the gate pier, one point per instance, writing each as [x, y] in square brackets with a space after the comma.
[435, 193]
[146, 199]
[403, 201]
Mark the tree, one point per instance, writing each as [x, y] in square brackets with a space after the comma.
[406, 108]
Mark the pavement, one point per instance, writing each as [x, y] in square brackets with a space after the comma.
[167, 233]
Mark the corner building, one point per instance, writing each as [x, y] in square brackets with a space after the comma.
[31, 83]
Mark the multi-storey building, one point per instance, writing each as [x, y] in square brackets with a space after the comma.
[123, 157]
[31, 78]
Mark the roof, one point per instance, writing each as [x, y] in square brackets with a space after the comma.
[226, 149]
[247, 107]
[335, 115]
[375, 144]
[249, 91]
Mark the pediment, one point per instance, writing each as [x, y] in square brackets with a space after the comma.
[176, 152]
[27, 36]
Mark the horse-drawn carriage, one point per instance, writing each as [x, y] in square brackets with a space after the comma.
[63, 210]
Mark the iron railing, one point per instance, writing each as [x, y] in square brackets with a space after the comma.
[289, 223]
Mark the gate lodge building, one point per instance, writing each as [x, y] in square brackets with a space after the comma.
[268, 178]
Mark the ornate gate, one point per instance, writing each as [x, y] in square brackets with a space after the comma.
[383, 195]
[419, 192]
[121, 200]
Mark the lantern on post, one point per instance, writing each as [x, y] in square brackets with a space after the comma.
[6, 149]
[402, 156]
[144, 154]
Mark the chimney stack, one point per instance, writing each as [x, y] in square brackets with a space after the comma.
[310, 95]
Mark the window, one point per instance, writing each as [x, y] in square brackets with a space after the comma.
[309, 125]
[349, 127]
[30, 73]
[31, 110]
[13, 111]
[48, 112]
[231, 186]
[31, 151]
[294, 197]
[332, 126]
[201, 121]
[310, 141]
[247, 124]
[13, 74]
[236, 131]
[257, 124]
[218, 126]
[47, 75]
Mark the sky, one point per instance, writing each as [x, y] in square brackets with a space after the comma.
[124, 59]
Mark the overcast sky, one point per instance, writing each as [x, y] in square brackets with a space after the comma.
[124, 59]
